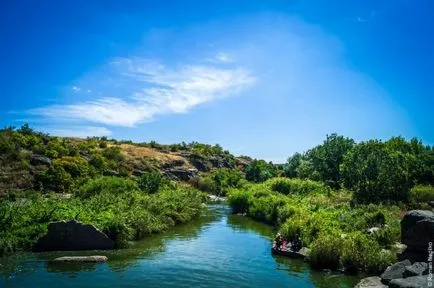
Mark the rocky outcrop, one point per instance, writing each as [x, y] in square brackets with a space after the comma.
[88, 259]
[417, 269]
[36, 159]
[395, 271]
[417, 234]
[370, 282]
[417, 230]
[410, 282]
[72, 235]
[181, 174]
[173, 163]
[199, 163]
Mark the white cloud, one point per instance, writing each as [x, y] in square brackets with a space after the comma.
[153, 90]
[80, 132]
[76, 88]
[221, 57]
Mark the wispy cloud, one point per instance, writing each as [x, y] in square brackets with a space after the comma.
[76, 89]
[80, 132]
[150, 89]
[221, 57]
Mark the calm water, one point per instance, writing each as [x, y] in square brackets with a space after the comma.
[218, 250]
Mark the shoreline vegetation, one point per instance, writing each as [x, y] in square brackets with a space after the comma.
[344, 199]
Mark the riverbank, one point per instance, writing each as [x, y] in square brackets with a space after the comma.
[215, 250]
[339, 234]
[114, 205]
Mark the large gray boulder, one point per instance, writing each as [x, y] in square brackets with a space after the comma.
[370, 282]
[72, 235]
[410, 282]
[417, 230]
[394, 271]
[416, 269]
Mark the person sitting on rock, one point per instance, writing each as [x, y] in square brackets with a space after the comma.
[279, 241]
[296, 243]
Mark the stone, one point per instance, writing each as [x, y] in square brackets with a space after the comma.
[173, 163]
[89, 259]
[410, 282]
[72, 235]
[373, 230]
[36, 159]
[399, 247]
[394, 271]
[417, 230]
[370, 282]
[181, 174]
[199, 163]
[416, 269]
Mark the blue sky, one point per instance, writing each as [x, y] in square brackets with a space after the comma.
[261, 78]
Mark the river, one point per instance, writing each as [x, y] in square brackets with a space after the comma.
[217, 250]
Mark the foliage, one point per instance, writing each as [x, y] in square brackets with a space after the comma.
[150, 182]
[376, 174]
[295, 186]
[421, 193]
[113, 205]
[107, 185]
[326, 158]
[220, 181]
[326, 251]
[259, 171]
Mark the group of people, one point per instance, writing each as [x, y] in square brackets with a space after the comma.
[295, 244]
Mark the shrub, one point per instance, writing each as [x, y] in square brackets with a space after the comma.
[207, 184]
[259, 171]
[108, 185]
[295, 186]
[421, 193]
[113, 153]
[265, 209]
[361, 252]
[239, 201]
[150, 182]
[326, 251]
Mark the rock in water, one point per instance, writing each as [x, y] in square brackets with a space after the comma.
[410, 282]
[89, 259]
[72, 235]
[394, 271]
[371, 282]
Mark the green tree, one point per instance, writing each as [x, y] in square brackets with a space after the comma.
[327, 157]
[259, 171]
[376, 173]
[150, 182]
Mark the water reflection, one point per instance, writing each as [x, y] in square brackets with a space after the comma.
[216, 250]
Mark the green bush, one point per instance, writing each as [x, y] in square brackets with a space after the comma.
[295, 186]
[108, 185]
[239, 201]
[220, 181]
[421, 194]
[361, 252]
[260, 171]
[150, 182]
[326, 251]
